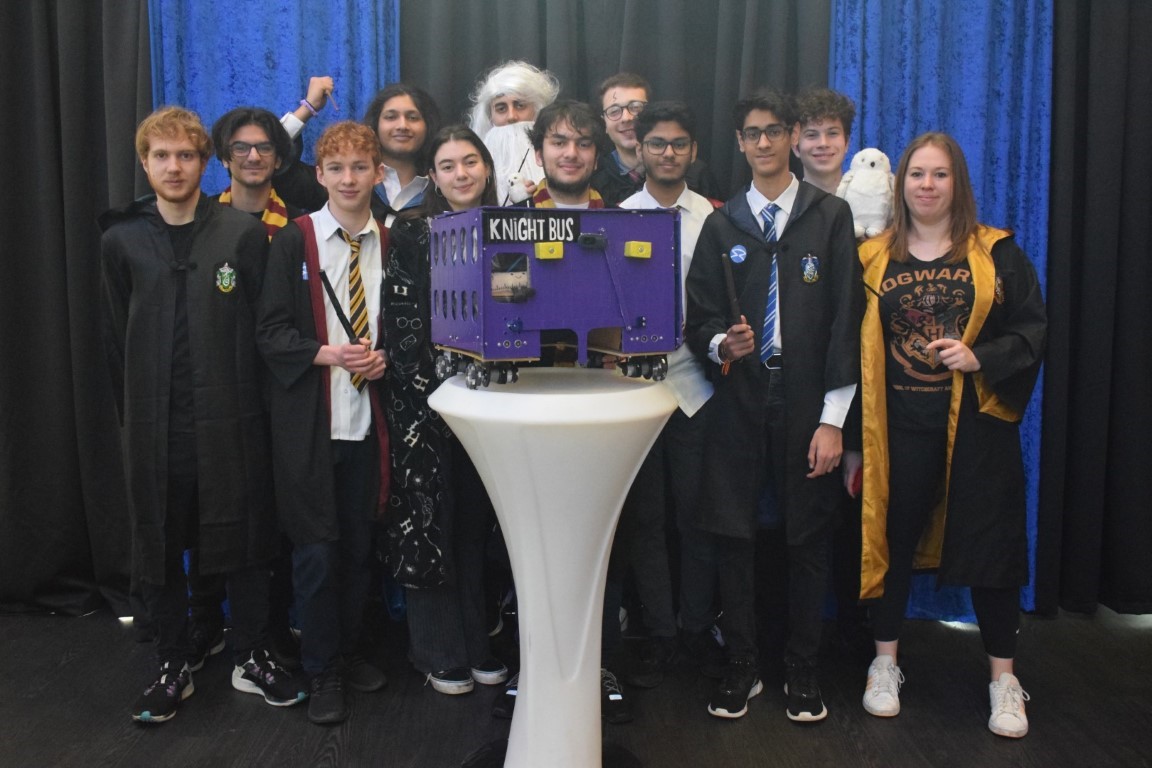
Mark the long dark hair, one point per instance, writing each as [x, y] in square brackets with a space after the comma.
[434, 202]
[963, 213]
[425, 103]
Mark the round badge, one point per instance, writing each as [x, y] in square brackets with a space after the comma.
[738, 254]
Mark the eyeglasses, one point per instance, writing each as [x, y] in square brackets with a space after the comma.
[774, 132]
[657, 146]
[615, 111]
[242, 148]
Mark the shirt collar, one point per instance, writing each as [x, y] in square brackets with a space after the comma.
[682, 202]
[327, 225]
[786, 200]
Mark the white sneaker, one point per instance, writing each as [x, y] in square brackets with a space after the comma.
[1008, 718]
[882, 694]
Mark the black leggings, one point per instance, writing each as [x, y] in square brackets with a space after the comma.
[915, 484]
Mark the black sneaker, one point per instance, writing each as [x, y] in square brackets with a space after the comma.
[805, 704]
[453, 682]
[326, 704]
[614, 707]
[261, 675]
[740, 683]
[505, 705]
[656, 655]
[159, 701]
[362, 675]
[207, 639]
[705, 652]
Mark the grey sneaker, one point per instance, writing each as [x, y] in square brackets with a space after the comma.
[882, 694]
[1007, 697]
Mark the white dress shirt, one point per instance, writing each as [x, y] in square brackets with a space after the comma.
[686, 378]
[351, 408]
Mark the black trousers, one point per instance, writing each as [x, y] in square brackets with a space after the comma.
[807, 562]
[331, 577]
[915, 486]
[167, 603]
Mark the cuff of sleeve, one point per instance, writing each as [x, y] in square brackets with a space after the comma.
[292, 124]
[833, 415]
[714, 348]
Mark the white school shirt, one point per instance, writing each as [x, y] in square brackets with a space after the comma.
[351, 409]
[686, 377]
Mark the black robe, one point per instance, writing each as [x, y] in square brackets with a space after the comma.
[421, 502]
[978, 536]
[820, 335]
[288, 339]
[224, 275]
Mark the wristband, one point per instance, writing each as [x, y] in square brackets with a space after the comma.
[307, 104]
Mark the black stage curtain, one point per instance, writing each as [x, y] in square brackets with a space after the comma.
[76, 83]
[1095, 543]
[705, 53]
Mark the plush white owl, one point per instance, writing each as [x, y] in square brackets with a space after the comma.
[867, 188]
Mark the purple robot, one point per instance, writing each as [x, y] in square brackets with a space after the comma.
[603, 281]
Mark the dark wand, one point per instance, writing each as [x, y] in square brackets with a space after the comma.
[733, 304]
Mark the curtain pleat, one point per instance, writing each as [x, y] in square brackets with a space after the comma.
[980, 71]
[215, 55]
[80, 71]
[705, 53]
[1096, 533]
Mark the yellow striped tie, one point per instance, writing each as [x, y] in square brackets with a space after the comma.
[356, 301]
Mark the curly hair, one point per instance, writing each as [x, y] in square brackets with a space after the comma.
[348, 136]
[825, 104]
[173, 123]
[577, 113]
[517, 78]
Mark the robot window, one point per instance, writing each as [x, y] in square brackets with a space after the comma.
[510, 281]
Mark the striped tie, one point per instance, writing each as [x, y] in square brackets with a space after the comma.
[356, 301]
[768, 333]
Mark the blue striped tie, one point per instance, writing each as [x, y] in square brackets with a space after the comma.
[768, 333]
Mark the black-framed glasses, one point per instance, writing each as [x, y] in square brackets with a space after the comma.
[242, 148]
[774, 132]
[657, 146]
[616, 110]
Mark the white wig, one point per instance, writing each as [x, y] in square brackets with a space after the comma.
[518, 78]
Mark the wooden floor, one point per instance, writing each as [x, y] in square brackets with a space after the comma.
[68, 684]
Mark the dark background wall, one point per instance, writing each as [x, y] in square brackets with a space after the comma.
[78, 79]
[705, 53]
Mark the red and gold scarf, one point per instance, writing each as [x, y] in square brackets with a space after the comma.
[275, 212]
[543, 198]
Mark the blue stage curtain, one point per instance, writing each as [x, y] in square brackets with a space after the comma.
[213, 55]
[981, 71]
